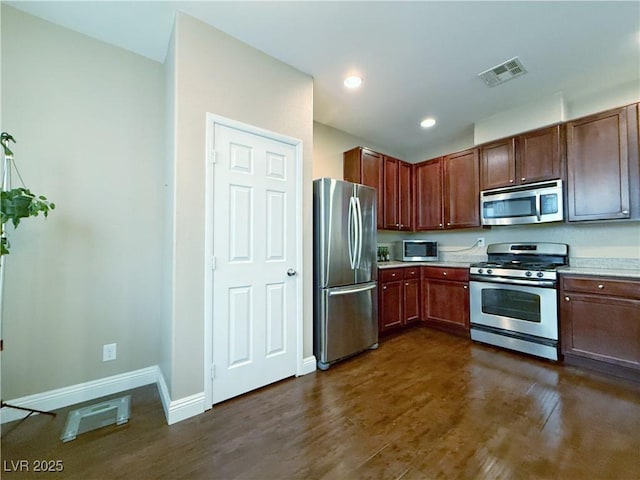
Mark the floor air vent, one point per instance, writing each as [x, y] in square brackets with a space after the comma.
[81, 420]
[501, 73]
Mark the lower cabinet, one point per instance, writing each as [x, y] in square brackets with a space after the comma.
[399, 297]
[389, 299]
[600, 323]
[434, 296]
[445, 298]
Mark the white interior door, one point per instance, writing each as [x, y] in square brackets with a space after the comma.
[254, 304]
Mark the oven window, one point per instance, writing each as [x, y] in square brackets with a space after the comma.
[511, 303]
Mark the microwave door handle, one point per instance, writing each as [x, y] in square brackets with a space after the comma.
[538, 208]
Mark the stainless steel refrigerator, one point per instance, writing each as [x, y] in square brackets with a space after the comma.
[345, 270]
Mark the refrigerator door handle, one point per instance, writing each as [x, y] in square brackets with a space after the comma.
[349, 291]
[351, 232]
[360, 233]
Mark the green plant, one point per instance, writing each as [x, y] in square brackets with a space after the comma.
[17, 203]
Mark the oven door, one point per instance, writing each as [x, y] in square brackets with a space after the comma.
[522, 309]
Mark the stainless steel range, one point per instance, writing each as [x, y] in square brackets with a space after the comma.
[514, 299]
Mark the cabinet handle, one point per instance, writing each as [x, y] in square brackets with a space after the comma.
[384, 288]
[567, 299]
[511, 180]
[444, 273]
[625, 212]
[600, 286]
[465, 287]
[406, 284]
[440, 225]
[448, 223]
[522, 179]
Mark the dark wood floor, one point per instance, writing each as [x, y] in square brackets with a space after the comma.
[424, 405]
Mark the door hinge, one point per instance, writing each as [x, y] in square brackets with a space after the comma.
[213, 157]
[213, 371]
[213, 262]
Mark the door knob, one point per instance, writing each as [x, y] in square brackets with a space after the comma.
[291, 272]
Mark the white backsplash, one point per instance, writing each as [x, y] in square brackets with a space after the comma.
[591, 244]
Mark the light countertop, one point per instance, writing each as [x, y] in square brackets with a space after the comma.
[600, 267]
[397, 263]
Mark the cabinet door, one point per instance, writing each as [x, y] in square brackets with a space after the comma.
[428, 195]
[598, 167]
[390, 306]
[391, 221]
[462, 190]
[365, 166]
[448, 304]
[405, 196]
[539, 155]
[411, 300]
[498, 167]
[601, 328]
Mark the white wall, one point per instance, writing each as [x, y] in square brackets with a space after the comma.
[216, 73]
[586, 240]
[88, 119]
[530, 115]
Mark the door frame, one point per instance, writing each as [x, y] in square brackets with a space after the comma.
[211, 121]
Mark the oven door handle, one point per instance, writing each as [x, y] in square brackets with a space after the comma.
[515, 281]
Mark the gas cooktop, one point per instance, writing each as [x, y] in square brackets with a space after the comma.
[538, 261]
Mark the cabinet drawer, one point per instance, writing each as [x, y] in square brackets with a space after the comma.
[411, 272]
[602, 286]
[390, 274]
[448, 273]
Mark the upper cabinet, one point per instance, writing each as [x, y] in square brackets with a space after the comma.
[447, 192]
[602, 166]
[462, 190]
[364, 166]
[392, 180]
[428, 205]
[397, 194]
[530, 157]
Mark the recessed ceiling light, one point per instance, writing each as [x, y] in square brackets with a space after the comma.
[352, 82]
[428, 122]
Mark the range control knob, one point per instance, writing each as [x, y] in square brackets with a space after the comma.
[480, 270]
[489, 272]
[528, 274]
[540, 274]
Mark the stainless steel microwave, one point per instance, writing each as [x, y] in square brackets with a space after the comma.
[416, 251]
[534, 203]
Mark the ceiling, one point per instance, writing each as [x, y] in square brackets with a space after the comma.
[417, 59]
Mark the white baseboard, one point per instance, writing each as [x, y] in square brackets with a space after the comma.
[174, 410]
[178, 410]
[309, 365]
[64, 397]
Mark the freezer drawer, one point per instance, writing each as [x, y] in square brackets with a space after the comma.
[345, 322]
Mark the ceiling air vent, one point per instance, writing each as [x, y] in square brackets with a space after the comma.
[501, 73]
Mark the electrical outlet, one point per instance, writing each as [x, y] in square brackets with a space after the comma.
[109, 352]
[480, 242]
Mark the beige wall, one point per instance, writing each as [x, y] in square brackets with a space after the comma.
[218, 74]
[88, 119]
[328, 146]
